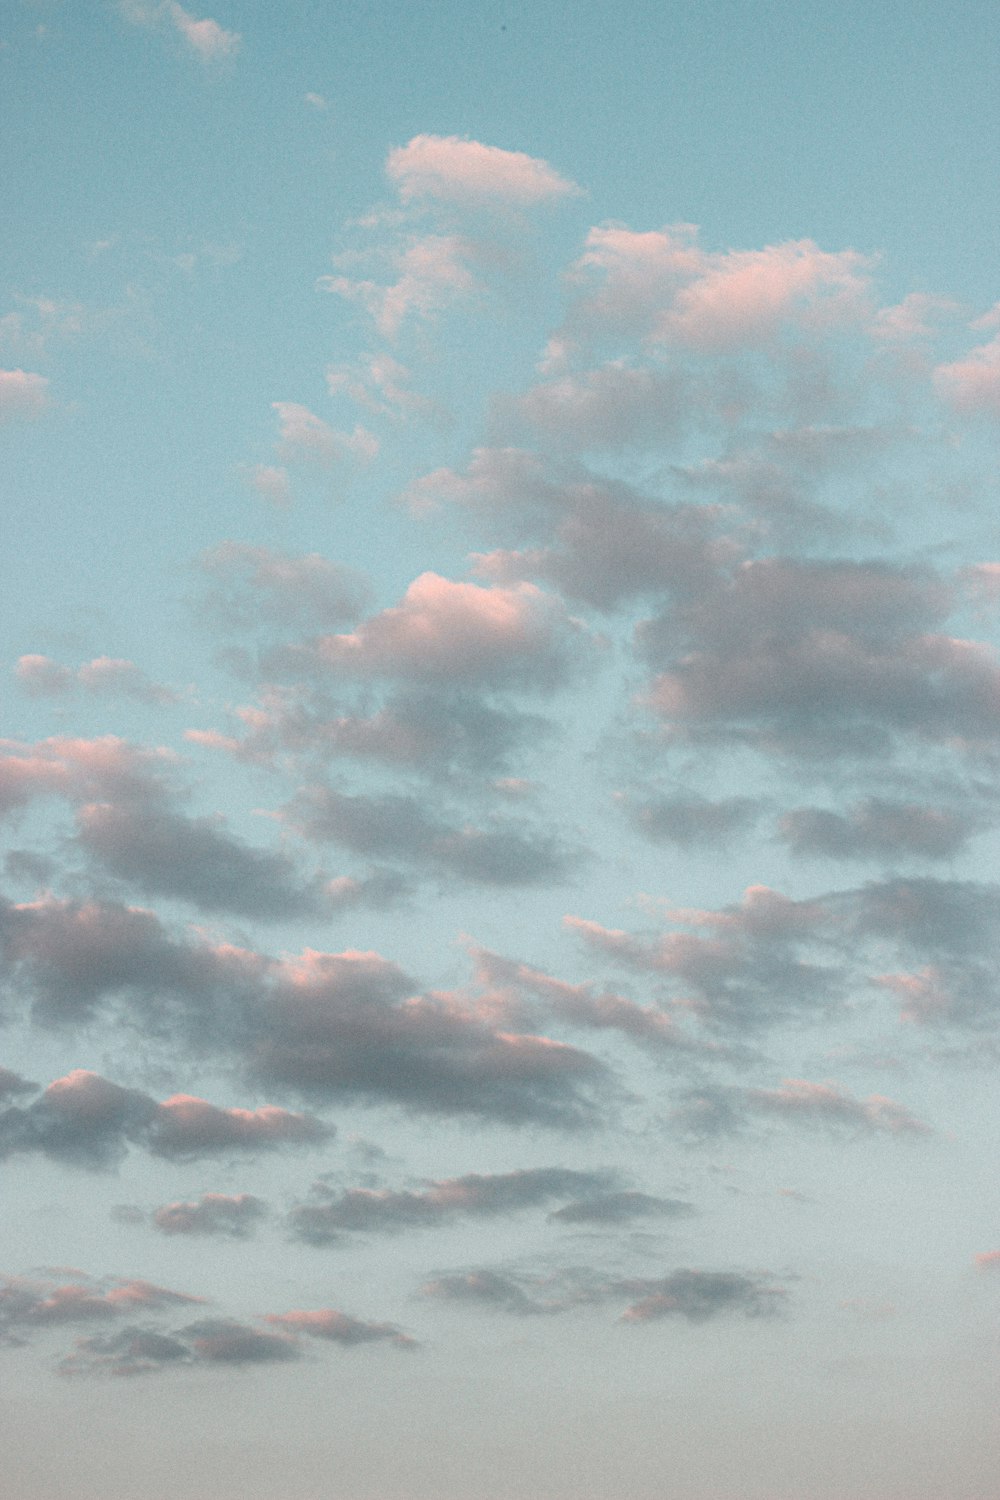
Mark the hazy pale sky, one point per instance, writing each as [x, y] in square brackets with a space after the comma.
[500, 770]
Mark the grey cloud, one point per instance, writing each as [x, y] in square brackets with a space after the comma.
[163, 852]
[503, 852]
[86, 1120]
[878, 829]
[694, 1295]
[212, 1214]
[252, 585]
[517, 985]
[12, 1084]
[597, 540]
[484, 1288]
[692, 821]
[327, 1025]
[714, 1110]
[823, 658]
[698, 1296]
[106, 676]
[329, 1216]
[620, 1208]
[224, 1341]
[438, 731]
[337, 1327]
[30, 1304]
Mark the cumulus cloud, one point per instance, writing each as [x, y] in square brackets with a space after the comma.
[445, 631]
[329, 1215]
[327, 1025]
[127, 827]
[972, 384]
[22, 394]
[86, 1120]
[598, 540]
[236, 1216]
[432, 272]
[831, 657]
[661, 287]
[453, 170]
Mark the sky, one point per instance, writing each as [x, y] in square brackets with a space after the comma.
[500, 762]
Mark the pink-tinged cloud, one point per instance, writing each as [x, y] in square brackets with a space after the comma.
[828, 1103]
[30, 1303]
[461, 632]
[106, 676]
[663, 288]
[42, 677]
[306, 438]
[22, 394]
[271, 482]
[212, 1214]
[972, 384]
[459, 171]
[987, 1260]
[339, 1328]
[185, 1126]
[432, 271]
[206, 38]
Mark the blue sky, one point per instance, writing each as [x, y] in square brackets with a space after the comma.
[499, 770]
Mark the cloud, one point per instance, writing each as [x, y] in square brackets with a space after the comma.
[877, 829]
[22, 394]
[601, 1209]
[662, 288]
[126, 826]
[326, 1025]
[12, 1084]
[597, 540]
[162, 852]
[329, 1216]
[105, 676]
[829, 1104]
[452, 170]
[306, 438]
[972, 384]
[86, 1120]
[749, 965]
[821, 657]
[185, 1127]
[339, 1328]
[504, 852]
[30, 1304]
[224, 1342]
[692, 822]
[443, 631]
[698, 1296]
[271, 482]
[207, 40]
[212, 1214]
[251, 584]
[987, 1260]
[513, 986]
[694, 1295]
[437, 729]
[432, 271]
